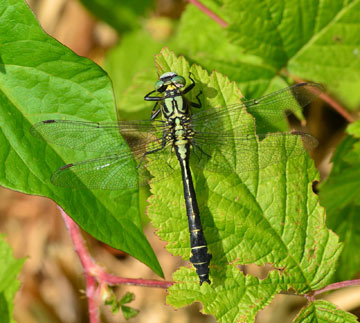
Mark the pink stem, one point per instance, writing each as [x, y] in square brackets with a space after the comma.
[345, 283]
[87, 264]
[114, 280]
[208, 12]
[96, 276]
[93, 296]
[310, 297]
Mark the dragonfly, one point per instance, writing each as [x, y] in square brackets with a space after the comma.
[218, 139]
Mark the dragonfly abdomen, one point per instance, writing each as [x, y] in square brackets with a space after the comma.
[200, 257]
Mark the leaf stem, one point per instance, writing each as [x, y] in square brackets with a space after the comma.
[92, 292]
[95, 275]
[208, 12]
[345, 283]
[331, 101]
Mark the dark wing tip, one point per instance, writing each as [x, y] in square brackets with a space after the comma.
[66, 166]
[35, 129]
[301, 84]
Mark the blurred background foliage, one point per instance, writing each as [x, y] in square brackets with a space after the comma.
[123, 37]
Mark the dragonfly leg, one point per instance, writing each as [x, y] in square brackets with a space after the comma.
[147, 97]
[197, 105]
[148, 153]
[163, 144]
[195, 146]
[154, 112]
[191, 86]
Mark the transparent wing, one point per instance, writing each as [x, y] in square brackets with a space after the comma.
[110, 172]
[99, 137]
[227, 154]
[116, 172]
[124, 169]
[274, 106]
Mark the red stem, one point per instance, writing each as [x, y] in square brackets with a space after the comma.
[208, 12]
[87, 262]
[114, 280]
[345, 283]
[93, 296]
[96, 276]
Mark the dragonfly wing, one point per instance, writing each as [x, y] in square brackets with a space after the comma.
[272, 107]
[110, 172]
[161, 165]
[116, 172]
[99, 137]
[227, 154]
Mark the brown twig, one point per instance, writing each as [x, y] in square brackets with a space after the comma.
[208, 12]
[329, 100]
[96, 276]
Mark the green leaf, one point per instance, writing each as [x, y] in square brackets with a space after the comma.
[121, 15]
[236, 299]
[210, 47]
[9, 284]
[318, 41]
[354, 129]
[323, 311]
[129, 312]
[128, 297]
[268, 216]
[41, 79]
[332, 56]
[340, 194]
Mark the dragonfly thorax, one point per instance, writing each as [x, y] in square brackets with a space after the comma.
[174, 106]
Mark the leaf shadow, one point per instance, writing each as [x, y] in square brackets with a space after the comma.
[2, 66]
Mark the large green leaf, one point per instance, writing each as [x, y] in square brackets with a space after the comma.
[264, 42]
[210, 47]
[317, 40]
[9, 269]
[41, 79]
[332, 56]
[270, 215]
[321, 312]
[340, 194]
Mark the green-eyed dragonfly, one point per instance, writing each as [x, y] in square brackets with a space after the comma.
[218, 137]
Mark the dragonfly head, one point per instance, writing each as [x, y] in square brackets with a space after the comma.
[169, 81]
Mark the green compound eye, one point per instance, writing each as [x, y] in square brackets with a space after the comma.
[178, 80]
[158, 85]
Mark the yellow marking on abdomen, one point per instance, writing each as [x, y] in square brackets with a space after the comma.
[198, 247]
